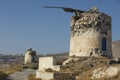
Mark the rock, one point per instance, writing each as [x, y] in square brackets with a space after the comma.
[67, 61]
[90, 65]
[105, 72]
[114, 61]
[71, 59]
[117, 59]
[76, 59]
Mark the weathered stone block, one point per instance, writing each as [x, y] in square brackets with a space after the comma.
[54, 76]
[44, 75]
[48, 62]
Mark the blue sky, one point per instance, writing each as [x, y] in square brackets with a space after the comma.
[26, 24]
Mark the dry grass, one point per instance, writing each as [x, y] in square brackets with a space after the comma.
[32, 77]
[31, 65]
[83, 68]
[2, 75]
[5, 71]
[64, 76]
[49, 70]
[12, 69]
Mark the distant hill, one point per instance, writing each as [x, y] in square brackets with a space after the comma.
[116, 48]
[59, 54]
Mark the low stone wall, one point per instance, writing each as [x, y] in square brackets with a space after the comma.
[44, 75]
[54, 76]
[48, 63]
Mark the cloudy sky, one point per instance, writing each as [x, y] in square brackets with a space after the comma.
[26, 24]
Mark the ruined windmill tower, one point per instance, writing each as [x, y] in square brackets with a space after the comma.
[91, 33]
[30, 56]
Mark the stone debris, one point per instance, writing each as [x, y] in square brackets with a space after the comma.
[114, 61]
[105, 72]
[71, 59]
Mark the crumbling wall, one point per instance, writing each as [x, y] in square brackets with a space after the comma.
[47, 67]
[87, 31]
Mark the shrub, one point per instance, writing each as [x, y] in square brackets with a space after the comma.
[2, 75]
[32, 77]
[49, 70]
[14, 69]
[65, 76]
[31, 65]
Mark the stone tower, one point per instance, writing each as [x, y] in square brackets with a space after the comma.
[30, 56]
[91, 34]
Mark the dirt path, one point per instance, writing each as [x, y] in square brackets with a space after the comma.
[21, 75]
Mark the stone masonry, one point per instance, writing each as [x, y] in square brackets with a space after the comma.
[91, 34]
[30, 56]
[47, 63]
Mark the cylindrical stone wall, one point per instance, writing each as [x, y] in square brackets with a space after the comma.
[82, 45]
[90, 34]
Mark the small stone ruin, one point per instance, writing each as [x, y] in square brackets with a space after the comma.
[30, 56]
[47, 67]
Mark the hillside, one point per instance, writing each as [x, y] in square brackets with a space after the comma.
[59, 54]
[116, 48]
[91, 68]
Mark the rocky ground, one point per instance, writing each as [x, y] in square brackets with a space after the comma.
[92, 68]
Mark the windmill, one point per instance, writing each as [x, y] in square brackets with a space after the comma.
[71, 10]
